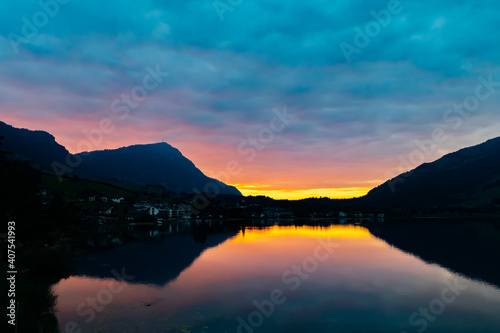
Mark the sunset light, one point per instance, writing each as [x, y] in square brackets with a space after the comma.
[238, 166]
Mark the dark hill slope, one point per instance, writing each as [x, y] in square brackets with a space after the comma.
[157, 163]
[470, 176]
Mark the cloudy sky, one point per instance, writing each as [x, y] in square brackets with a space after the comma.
[365, 88]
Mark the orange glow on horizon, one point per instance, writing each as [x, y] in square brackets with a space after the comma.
[333, 193]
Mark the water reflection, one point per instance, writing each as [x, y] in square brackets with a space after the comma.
[157, 261]
[463, 246]
[361, 284]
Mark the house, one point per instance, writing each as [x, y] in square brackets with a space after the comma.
[185, 211]
[176, 213]
[173, 213]
[153, 211]
[141, 206]
[179, 212]
[118, 200]
[88, 195]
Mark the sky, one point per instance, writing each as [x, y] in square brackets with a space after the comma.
[306, 98]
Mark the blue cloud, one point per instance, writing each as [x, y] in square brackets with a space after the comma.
[230, 74]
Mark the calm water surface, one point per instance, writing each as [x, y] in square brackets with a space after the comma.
[338, 278]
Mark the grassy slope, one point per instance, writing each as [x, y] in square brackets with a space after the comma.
[484, 193]
[70, 188]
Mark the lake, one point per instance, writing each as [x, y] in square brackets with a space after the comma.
[286, 278]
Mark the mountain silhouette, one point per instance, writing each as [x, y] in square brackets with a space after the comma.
[156, 164]
[470, 176]
[39, 147]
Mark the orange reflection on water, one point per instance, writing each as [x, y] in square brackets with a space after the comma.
[257, 252]
[348, 231]
[224, 280]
